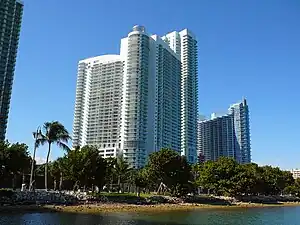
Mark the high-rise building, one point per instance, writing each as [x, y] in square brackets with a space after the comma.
[184, 43]
[227, 135]
[216, 137]
[240, 113]
[151, 105]
[296, 173]
[130, 104]
[97, 116]
[137, 129]
[10, 25]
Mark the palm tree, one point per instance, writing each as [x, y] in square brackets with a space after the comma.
[121, 170]
[53, 133]
[56, 171]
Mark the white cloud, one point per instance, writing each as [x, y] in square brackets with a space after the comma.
[40, 160]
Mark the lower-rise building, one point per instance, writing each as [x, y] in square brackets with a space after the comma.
[216, 137]
[98, 104]
[226, 135]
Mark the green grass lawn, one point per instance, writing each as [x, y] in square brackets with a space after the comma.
[115, 194]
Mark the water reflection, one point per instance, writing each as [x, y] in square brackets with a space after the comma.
[259, 216]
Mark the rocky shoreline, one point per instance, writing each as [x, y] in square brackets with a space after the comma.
[52, 201]
[110, 208]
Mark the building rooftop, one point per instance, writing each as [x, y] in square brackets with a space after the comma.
[102, 59]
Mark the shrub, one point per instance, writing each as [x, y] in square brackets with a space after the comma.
[6, 193]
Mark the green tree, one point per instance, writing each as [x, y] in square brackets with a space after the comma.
[109, 173]
[85, 167]
[227, 177]
[168, 167]
[141, 180]
[122, 171]
[94, 167]
[207, 178]
[57, 170]
[53, 133]
[75, 164]
[15, 160]
[248, 180]
[275, 180]
[3, 150]
[219, 177]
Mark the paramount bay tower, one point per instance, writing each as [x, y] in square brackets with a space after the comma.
[10, 24]
[146, 97]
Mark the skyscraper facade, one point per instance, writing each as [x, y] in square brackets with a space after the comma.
[151, 107]
[130, 104]
[168, 97]
[184, 43]
[240, 113]
[10, 25]
[98, 104]
[137, 127]
[216, 137]
[227, 135]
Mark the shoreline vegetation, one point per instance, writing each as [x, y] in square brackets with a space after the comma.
[83, 181]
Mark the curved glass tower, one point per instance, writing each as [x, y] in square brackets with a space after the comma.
[151, 96]
[137, 114]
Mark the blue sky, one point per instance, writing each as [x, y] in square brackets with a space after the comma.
[247, 48]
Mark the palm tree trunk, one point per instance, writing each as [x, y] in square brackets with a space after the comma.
[111, 184]
[14, 181]
[54, 184]
[119, 182]
[32, 168]
[60, 181]
[46, 167]
[23, 178]
[75, 186]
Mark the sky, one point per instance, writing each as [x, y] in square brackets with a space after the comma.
[248, 48]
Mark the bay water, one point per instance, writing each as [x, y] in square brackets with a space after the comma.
[232, 216]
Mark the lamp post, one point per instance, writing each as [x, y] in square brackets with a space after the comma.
[36, 135]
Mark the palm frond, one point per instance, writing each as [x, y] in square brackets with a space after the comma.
[65, 137]
[46, 128]
[42, 139]
[63, 146]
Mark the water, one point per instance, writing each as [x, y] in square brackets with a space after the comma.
[254, 216]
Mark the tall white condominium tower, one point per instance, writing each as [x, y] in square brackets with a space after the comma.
[98, 104]
[184, 43]
[151, 96]
[240, 113]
